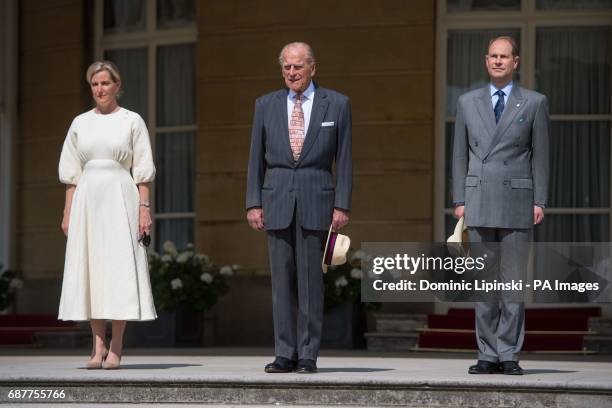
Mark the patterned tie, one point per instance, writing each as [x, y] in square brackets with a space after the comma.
[296, 128]
[499, 106]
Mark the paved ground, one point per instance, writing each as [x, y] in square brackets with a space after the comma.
[544, 373]
[540, 371]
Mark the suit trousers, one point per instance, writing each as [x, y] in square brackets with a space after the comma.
[295, 257]
[500, 324]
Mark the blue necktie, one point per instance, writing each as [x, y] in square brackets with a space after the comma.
[499, 106]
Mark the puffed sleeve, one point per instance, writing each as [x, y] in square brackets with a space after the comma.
[70, 164]
[143, 169]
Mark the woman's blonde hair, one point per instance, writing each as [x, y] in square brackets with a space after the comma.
[103, 66]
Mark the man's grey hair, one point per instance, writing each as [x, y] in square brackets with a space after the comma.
[310, 58]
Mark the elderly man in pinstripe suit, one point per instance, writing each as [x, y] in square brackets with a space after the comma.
[298, 133]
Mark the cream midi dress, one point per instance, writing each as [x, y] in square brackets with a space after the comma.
[106, 272]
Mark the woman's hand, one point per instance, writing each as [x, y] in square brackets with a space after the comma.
[145, 222]
[66, 222]
[144, 219]
[70, 189]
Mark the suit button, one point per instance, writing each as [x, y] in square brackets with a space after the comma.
[505, 163]
[484, 161]
[476, 143]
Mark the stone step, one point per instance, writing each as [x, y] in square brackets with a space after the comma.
[308, 390]
[391, 341]
[77, 338]
[350, 380]
[542, 332]
[601, 325]
[411, 393]
[399, 323]
[598, 343]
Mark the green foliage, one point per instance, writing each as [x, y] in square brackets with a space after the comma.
[343, 282]
[9, 283]
[186, 278]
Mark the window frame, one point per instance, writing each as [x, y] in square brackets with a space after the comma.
[9, 72]
[150, 38]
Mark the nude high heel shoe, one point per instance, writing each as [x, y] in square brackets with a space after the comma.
[94, 365]
[111, 366]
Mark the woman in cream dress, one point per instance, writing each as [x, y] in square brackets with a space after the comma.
[107, 166]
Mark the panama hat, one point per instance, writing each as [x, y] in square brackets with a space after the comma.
[458, 243]
[336, 248]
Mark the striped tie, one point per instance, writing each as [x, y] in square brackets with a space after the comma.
[296, 128]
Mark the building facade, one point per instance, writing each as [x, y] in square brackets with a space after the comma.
[193, 69]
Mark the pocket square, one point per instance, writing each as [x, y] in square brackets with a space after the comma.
[327, 124]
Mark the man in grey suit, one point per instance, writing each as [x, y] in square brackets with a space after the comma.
[298, 133]
[500, 185]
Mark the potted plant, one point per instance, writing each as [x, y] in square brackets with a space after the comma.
[9, 283]
[344, 321]
[185, 284]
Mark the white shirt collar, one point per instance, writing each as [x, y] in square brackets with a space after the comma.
[506, 89]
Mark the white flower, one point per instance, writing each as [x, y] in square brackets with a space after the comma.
[170, 248]
[356, 273]
[16, 283]
[206, 277]
[166, 258]
[153, 255]
[341, 281]
[184, 256]
[226, 270]
[201, 258]
[357, 255]
[189, 246]
[235, 267]
[176, 283]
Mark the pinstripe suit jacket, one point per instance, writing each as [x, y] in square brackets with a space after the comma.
[278, 184]
[500, 171]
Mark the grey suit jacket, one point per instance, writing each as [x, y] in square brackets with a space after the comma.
[278, 184]
[501, 171]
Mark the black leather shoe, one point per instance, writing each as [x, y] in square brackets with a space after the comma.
[280, 365]
[484, 367]
[305, 366]
[512, 368]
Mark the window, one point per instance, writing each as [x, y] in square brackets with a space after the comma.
[455, 6]
[573, 70]
[565, 55]
[153, 44]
